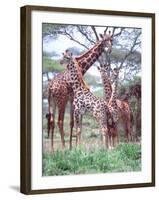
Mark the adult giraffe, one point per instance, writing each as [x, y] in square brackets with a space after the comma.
[59, 91]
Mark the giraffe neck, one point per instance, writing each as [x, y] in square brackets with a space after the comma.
[106, 86]
[76, 78]
[86, 60]
[112, 101]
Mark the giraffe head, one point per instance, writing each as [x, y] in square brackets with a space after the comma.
[115, 73]
[103, 68]
[107, 40]
[67, 57]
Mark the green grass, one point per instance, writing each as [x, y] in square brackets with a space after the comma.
[82, 160]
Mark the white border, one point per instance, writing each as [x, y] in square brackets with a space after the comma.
[39, 182]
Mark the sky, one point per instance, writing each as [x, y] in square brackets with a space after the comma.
[59, 45]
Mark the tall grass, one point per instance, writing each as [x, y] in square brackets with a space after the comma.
[125, 158]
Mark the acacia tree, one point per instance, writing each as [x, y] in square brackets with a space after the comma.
[126, 44]
[126, 51]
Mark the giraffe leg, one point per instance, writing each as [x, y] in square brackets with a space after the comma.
[126, 133]
[118, 139]
[52, 138]
[48, 124]
[110, 137]
[48, 115]
[52, 123]
[115, 137]
[52, 126]
[127, 129]
[71, 123]
[60, 124]
[130, 138]
[105, 137]
[132, 131]
[78, 127]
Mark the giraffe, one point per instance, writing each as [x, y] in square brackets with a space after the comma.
[103, 69]
[117, 106]
[84, 101]
[57, 97]
[119, 110]
[125, 114]
[113, 108]
[59, 92]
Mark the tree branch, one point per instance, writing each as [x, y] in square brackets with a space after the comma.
[131, 50]
[114, 28]
[95, 32]
[85, 34]
[121, 30]
[71, 38]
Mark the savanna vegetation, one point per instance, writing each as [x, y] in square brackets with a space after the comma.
[81, 160]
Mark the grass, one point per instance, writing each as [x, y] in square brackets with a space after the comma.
[82, 160]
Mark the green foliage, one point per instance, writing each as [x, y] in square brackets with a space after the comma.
[118, 55]
[49, 54]
[51, 65]
[52, 30]
[126, 157]
[124, 86]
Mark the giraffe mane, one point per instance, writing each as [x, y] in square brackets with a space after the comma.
[87, 52]
[80, 75]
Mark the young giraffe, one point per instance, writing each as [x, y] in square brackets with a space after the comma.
[84, 101]
[120, 107]
[60, 92]
[112, 132]
[115, 105]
